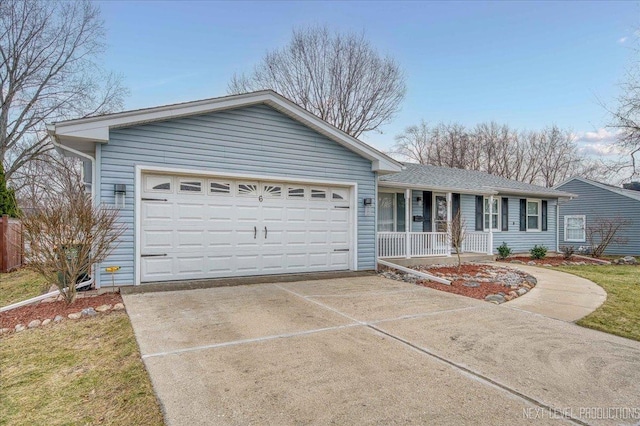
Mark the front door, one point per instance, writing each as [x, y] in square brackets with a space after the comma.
[440, 213]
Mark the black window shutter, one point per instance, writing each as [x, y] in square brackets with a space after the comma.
[479, 213]
[505, 214]
[455, 205]
[544, 215]
[523, 214]
[426, 211]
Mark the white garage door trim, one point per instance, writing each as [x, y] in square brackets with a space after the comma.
[140, 169]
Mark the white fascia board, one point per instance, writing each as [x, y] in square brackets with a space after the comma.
[96, 129]
[383, 184]
[538, 194]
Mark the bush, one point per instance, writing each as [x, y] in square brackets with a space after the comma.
[567, 251]
[538, 252]
[504, 251]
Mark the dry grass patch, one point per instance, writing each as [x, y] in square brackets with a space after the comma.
[620, 313]
[76, 372]
[20, 285]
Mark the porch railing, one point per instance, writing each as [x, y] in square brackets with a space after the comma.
[421, 244]
[425, 244]
[475, 242]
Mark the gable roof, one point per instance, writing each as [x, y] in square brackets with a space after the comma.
[77, 134]
[465, 181]
[622, 191]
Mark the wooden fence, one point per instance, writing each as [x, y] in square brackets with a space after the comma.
[11, 244]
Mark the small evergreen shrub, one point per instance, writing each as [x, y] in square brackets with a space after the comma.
[504, 251]
[538, 252]
[567, 251]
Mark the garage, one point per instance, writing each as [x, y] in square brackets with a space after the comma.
[199, 226]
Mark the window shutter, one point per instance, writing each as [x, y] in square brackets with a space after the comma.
[455, 205]
[426, 210]
[523, 214]
[505, 214]
[479, 213]
[544, 215]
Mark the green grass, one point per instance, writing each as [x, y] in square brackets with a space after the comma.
[620, 313]
[20, 285]
[81, 372]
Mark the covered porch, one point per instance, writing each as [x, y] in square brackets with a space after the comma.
[416, 223]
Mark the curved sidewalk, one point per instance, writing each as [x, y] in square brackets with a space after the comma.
[559, 295]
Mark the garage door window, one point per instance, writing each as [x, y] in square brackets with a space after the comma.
[339, 194]
[318, 194]
[218, 188]
[272, 191]
[190, 186]
[295, 192]
[247, 189]
[158, 184]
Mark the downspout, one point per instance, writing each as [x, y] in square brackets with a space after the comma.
[58, 145]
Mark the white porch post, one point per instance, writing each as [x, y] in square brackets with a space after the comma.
[490, 239]
[449, 209]
[407, 221]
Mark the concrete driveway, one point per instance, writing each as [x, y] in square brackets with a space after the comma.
[368, 350]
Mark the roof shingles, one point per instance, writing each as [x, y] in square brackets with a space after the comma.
[468, 181]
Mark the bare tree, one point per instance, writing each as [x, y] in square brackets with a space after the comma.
[457, 230]
[544, 157]
[604, 231]
[49, 72]
[66, 235]
[338, 77]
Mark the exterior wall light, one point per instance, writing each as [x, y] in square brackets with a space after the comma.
[419, 199]
[120, 192]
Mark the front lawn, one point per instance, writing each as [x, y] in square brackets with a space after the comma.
[77, 372]
[20, 285]
[620, 313]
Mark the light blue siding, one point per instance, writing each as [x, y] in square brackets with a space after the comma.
[519, 241]
[594, 202]
[253, 140]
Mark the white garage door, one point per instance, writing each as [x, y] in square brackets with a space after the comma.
[200, 227]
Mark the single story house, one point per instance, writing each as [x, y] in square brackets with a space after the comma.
[598, 200]
[253, 184]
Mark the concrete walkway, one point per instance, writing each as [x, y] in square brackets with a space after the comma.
[559, 295]
[367, 350]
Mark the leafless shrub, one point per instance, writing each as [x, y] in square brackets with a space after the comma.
[338, 77]
[604, 231]
[67, 235]
[457, 230]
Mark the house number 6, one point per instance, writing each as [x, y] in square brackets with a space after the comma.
[260, 198]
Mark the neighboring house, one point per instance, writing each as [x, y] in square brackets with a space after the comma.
[599, 200]
[253, 184]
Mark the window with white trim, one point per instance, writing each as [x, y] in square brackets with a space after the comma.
[534, 213]
[492, 216]
[574, 228]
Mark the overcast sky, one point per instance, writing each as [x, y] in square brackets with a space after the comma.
[527, 64]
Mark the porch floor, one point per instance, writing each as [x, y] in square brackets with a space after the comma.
[441, 260]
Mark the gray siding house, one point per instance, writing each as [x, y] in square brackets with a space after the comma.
[599, 200]
[253, 184]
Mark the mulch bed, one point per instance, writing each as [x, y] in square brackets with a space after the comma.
[457, 287]
[44, 310]
[500, 282]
